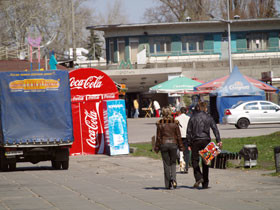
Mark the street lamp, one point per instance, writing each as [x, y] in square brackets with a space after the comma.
[229, 38]
[228, 21]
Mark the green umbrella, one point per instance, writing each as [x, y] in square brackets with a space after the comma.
[179, 84]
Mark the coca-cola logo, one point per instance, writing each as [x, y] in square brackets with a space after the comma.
[92, 124]
[89, 83]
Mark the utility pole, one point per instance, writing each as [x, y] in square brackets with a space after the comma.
[73, 33]
[228, 21]
[229, 38]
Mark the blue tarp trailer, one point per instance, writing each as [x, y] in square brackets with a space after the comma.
[35, 118]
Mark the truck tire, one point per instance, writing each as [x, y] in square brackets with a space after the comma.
[65, 164]
[12, 166]
[56, 164]
[4, 165]
[3, 162]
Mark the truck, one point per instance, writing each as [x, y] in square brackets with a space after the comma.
[35, 118]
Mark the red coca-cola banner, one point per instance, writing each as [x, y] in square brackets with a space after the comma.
[89, 87]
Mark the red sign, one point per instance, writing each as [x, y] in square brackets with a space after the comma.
[89, 87]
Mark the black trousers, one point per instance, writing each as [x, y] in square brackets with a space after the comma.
[196, 146]
[169, 156]
[186, 153]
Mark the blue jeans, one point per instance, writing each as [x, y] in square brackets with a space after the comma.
[136, 113]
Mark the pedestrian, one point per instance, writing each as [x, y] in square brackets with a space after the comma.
[168, 139]
[198, 136]
[183, 120]
[136, 108]
[157, 108]
[53, 61]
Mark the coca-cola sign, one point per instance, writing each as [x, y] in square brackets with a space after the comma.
[90, 82]
[91, 121]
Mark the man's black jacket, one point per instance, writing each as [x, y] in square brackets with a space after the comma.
[199, 128]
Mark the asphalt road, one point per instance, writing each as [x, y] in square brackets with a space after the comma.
[142, 130]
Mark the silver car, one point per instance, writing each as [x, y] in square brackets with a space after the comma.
[252, 112]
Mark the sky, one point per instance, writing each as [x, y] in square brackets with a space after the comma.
[133, 8]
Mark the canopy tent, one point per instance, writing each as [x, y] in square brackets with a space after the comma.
[178, 84]
[236, 88]
[208, 87]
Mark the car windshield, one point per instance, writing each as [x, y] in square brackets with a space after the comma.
[236, 105]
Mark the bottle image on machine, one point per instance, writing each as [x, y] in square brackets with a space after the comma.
[117, 122]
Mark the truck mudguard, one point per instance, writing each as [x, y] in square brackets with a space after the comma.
[35, 108]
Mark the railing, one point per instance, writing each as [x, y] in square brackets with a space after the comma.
[14, 52]
[211, 55]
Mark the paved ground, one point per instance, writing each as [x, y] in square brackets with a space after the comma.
[126, 182]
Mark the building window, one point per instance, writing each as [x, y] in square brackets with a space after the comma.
[192, 44]
[121, 49]
[111, 51]
[279, 40]
[160, 45]
[133, 43]
[257, 41]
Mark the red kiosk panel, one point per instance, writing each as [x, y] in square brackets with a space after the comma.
[89, 87]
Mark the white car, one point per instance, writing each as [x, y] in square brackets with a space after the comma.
[252, 112]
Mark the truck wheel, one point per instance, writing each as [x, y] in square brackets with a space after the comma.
[12, 166]
[65, 164]
[3, 162]
[4, 165]
[56, 164]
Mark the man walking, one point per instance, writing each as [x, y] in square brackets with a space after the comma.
[198, 136]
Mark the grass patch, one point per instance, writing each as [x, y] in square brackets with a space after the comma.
[145, 149]
[265, 145]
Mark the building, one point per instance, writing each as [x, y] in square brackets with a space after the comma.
[142, 55]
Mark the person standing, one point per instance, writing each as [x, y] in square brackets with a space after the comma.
[157, 108]
[168, 139]
[183, 120]
[53, 61]
[136, 108]
[198, 136]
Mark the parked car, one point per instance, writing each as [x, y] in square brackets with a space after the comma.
[252, 112]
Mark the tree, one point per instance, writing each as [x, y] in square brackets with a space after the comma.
[20, 18]
[262, 9]
[178, 10]
[94, 46]
[249, 8]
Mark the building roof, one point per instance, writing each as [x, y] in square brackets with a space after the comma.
[23, 65]
[150, 25]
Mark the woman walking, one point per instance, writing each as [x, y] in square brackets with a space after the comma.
[168, 139]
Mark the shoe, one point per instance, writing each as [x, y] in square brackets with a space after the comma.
[205, 185]
[196, 185]
[174, 184]
[171, 187]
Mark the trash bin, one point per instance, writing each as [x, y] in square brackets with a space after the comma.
[277, 158]
[250, 154]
